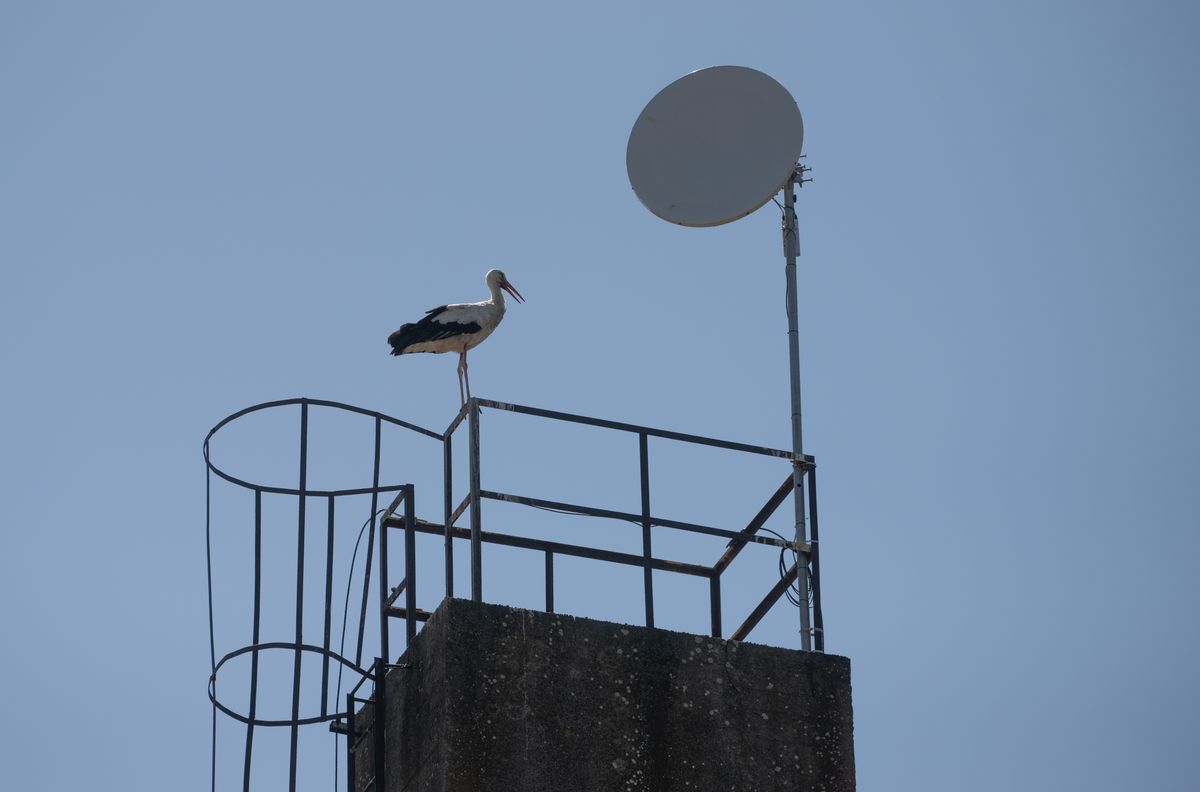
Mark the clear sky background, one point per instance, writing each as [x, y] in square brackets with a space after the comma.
[207, 205]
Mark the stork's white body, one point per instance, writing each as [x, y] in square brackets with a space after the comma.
[457, 327]
[454, 318]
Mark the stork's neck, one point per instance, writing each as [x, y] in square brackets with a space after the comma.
[497, 295]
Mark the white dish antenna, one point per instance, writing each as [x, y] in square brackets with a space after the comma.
[714, 146]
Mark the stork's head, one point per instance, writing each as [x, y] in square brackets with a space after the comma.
[496, 279]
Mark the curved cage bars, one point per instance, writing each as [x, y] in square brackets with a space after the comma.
[259, 647]
[380, 419]
[331, 661]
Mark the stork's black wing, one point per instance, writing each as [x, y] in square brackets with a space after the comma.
[428, 330]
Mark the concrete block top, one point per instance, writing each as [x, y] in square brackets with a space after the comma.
[501, 698]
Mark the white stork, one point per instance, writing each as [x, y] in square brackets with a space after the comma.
[457, 327]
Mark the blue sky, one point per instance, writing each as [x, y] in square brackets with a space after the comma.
[207, 205]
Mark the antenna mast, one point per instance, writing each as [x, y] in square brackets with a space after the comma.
[791, 250]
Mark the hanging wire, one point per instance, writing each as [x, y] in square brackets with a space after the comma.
[584, 514]
[342, 644]
[792, 592]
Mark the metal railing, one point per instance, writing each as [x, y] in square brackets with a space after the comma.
[401, 515]
[472, 504]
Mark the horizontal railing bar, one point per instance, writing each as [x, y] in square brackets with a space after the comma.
[402, 613]
[761, 609]
[624, 427]
[637, 518]
[751, 530]
[320, 403]
[379, 415]
[579, 551]
[312, 493]
[304, 402]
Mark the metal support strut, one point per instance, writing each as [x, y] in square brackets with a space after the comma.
[791, 249]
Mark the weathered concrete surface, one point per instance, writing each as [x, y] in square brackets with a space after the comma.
[505, 699]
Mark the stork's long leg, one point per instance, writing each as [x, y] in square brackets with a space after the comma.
[462, 365]
[466, 373]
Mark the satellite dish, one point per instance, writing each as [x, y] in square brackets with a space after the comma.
[711, 148]
[714, 145]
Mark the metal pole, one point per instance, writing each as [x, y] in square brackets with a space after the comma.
[254, 638]
[818, 619]
[410, 566]
[448, 508]
[212, 638]
[647, 572]
[476, 543]
[384, 643]
[714, 598]
[351, 733]
[328, 609]
[791, 249]
[379, 718]
[299, 595]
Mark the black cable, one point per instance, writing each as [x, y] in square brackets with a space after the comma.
[583, 514]
[792, 592]
[793, 598]
[342, 644]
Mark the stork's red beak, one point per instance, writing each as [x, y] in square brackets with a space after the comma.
[508, 287]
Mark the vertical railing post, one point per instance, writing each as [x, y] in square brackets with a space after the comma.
[328, 608]
[714, 603]
[351, 735]
[410, 566]
[647, 570]
[476, 543]
[299, 594]
[802, 581]
[377, 723]
[254, 638]
[384, 647]
[818, 619]
[212, 638]
[448, 508]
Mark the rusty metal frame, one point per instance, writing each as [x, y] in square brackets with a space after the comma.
[737, 540]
